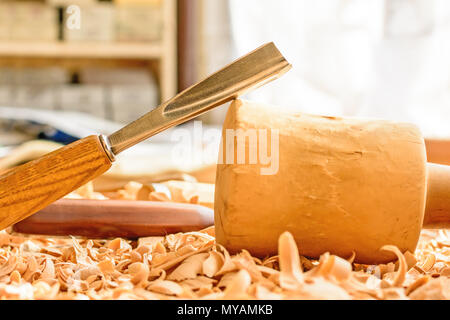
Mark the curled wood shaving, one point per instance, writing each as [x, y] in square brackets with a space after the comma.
[334, 266]
[139, 272]
[9, 266]
[189, 268]
[416, 284]
[352, 257]
[393, 294]
[411, 260]
[237, 288]
[86, 192]
[213, 263]
[169, 191]
[319, 288]
[290, 268]
[262, 293]
[166, 287]
[428, 263]
[402, 269]
[435, 289]
[48, 272]
[228, 265]
[198, 283]
[158, 196]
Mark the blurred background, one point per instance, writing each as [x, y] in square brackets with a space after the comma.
[69, 68]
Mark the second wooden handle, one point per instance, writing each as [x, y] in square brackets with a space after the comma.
[116, 218]
[29, 188]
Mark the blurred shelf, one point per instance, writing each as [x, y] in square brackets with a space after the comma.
[163, 52]
[110, 50]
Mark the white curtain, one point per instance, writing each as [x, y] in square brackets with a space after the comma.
[380, 58]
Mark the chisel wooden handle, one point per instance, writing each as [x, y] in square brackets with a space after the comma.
[28, 188]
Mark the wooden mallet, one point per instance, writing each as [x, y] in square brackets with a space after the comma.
[340, 185]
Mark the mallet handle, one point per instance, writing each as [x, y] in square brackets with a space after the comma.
[437, 212]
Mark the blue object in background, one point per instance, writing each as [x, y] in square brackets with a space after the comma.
[57, 136]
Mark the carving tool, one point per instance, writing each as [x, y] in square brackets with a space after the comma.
[27, 189]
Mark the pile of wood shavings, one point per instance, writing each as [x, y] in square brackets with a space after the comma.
[192, 266]
[132, 191]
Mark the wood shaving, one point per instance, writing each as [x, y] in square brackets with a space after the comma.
[191, 266]
[400, 275]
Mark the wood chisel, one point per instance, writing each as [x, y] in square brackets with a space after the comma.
[28, 188]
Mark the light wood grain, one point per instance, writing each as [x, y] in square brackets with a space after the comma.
[437, 212]
[34, 185]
